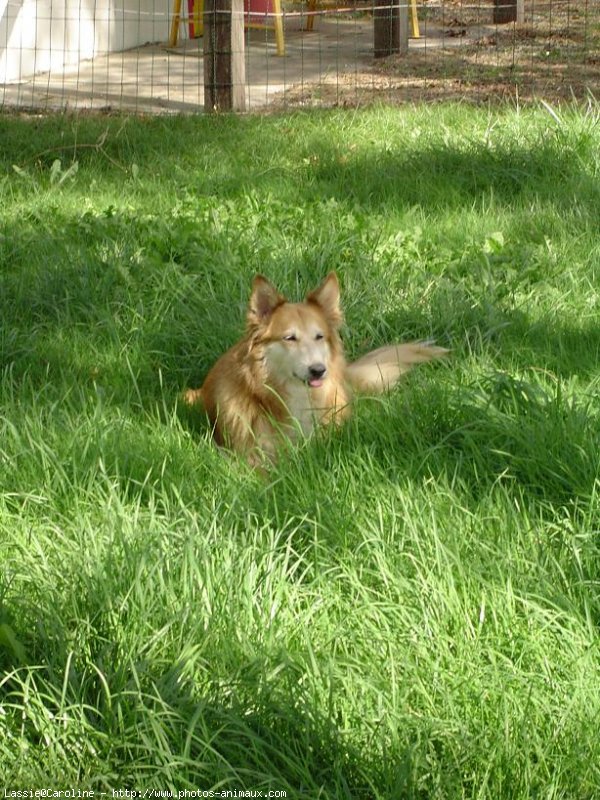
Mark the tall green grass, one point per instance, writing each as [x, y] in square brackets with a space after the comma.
[405, 608]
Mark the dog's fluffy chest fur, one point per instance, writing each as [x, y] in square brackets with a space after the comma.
[300, 403]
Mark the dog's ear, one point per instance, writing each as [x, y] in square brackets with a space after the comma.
[264, 299]
[327, 296]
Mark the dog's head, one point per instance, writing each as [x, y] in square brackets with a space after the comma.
[299, 340]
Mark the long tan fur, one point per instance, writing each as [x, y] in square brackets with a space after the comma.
[381, 369]
[288, 374]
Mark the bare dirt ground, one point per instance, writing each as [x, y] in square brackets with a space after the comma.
[554, 54]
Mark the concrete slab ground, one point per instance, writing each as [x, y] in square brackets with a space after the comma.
[156, 78]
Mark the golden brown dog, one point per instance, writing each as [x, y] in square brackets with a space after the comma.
[288, 373]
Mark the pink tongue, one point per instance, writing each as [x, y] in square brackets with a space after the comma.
[315, 382]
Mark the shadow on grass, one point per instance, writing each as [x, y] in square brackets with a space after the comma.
[445, 177]
[260, 726]
[561, 349]
[183, 694]
[300, 159]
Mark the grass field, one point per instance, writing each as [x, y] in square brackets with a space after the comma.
[406, 608]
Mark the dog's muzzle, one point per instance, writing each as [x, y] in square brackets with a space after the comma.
[316, 373]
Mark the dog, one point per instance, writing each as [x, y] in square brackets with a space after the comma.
[288, 375]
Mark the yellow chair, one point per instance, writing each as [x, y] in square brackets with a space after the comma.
[250, 21]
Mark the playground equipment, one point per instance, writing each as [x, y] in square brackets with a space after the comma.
[258, 14]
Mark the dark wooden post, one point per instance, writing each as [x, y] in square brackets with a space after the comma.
[509, 11]
[390, 27]
[224, 59]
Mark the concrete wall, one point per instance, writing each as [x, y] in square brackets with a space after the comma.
[41, 35]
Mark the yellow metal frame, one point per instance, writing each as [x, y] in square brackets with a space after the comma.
[414, 19]
[175, 22]
[198, 19]
[277, 26]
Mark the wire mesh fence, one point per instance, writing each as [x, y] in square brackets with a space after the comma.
[150, 55]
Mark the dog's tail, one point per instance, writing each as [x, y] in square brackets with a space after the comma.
[381, 369]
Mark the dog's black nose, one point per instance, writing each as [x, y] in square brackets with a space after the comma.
[317, 370]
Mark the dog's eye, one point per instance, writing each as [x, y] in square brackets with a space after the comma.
[290, 337]
[319, 336]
